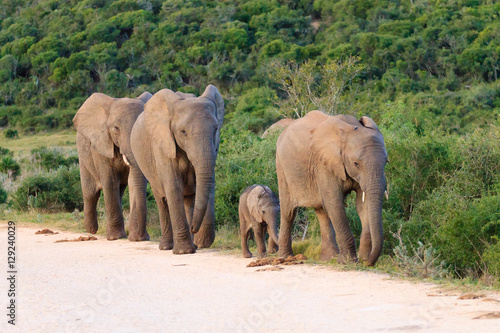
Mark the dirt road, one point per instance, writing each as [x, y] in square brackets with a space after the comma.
[101, 286]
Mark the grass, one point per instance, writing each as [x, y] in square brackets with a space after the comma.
[64, 139]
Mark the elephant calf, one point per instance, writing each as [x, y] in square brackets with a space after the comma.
[259, 208]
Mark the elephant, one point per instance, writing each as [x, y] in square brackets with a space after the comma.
[175, 142]
[107, 164]
[320, 159]
[259, 209]
[278, 126]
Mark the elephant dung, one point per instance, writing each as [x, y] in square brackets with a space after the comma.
[79, 239]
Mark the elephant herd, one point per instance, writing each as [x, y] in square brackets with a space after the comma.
[171, 140]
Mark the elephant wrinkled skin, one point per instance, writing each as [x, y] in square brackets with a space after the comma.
[107, 164]
[320, 159]
[175, 142]
[258, 210]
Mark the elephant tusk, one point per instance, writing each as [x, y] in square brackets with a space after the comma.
[363, 197]
[386, 194]
[125, 160]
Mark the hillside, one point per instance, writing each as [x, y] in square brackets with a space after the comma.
[439, 58]
[429, 80]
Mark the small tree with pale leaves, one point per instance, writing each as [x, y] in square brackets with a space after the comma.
[329, 87]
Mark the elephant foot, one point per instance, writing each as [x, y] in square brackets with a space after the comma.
[273, 249]
[91, 227]
[116, 234]
[285, 253]
[247, 254]
[204, 238]
[166, 245]
[346, 258]
[135, 237]
[261, 255]
[184, 248]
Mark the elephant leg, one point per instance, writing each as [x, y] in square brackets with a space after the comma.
[166, 239]
[285, 238]
[245, 233]
[365, 242]
[91, 196]
[258, 230]
[345, 240]
[329, 249]
[182, 234]
[272, 247]
[138, 206]
[115, 227]
[205, 237]
[189, 208]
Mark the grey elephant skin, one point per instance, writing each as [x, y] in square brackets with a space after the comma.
[104, 125]
[175, 142]
[320, 159]
[259, 209]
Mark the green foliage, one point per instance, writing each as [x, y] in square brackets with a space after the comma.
[11, 134]
[329, 87]
[491, 257]
[53, 191]
[8, 164]
[257, 106]
[3, 195]
[52, 158]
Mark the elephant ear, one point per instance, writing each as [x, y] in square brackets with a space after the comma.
[368, 122]
[253, 202]
[158, 118]
[213, 94]
[145, 96]
[327, 142]
[91, 122]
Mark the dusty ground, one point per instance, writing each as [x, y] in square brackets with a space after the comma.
[101, 286]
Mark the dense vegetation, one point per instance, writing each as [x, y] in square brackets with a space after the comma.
[430, 80]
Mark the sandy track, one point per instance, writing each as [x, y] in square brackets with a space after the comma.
[102, 286]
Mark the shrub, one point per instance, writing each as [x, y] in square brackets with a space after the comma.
[8, 164]
[52, 158]
[11, 134]
[53, 191]
[3, 195]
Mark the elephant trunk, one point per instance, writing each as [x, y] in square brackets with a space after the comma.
[274, 230]
[205, 181]
[374, 199]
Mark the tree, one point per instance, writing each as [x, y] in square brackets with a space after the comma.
[329, 87]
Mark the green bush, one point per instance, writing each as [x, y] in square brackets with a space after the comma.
[8, 164]
[11, 134]
[491, 257]
[3, 195]
[52, 158]
[53, 191]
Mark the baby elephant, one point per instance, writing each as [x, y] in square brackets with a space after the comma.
[259, 208]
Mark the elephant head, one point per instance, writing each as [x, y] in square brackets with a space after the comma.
[355, 152]
[107, 122]
[180, 123]
[265, 208]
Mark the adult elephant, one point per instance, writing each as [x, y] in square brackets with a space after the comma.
[107, 164]
[175, 143]
[320, 159]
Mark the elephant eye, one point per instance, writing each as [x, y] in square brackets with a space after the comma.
[356, 164]
[184, 132]
[117, 129]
